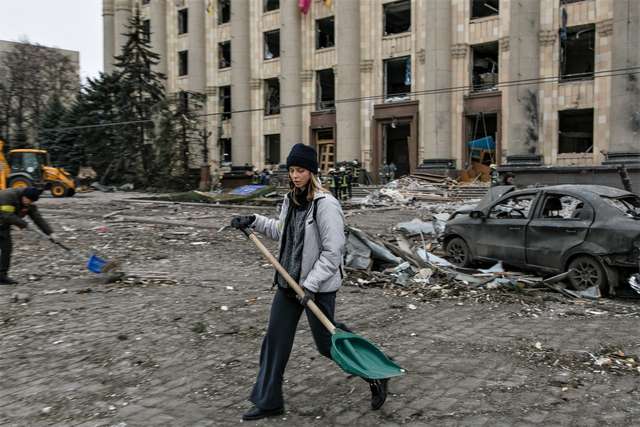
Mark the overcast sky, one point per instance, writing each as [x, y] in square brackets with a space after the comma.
[67, 24]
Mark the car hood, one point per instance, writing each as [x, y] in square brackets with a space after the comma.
[492, 195]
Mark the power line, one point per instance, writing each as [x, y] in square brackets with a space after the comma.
[439, 91]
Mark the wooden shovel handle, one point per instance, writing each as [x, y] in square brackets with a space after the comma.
[297, 288]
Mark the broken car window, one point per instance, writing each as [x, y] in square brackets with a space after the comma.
[628, 205]
[516, 207]
[557, 206]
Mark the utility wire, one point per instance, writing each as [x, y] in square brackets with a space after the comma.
[439, 91]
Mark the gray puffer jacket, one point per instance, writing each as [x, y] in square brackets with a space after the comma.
[324, 241]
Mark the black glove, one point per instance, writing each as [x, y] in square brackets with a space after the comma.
[308, 296]
[243, 221]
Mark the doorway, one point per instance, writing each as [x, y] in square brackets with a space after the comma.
[326, 144]
[395, 148]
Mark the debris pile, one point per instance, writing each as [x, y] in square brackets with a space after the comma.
[411, 261]
[416, 188]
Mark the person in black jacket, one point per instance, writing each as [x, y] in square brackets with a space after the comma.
[15, 204]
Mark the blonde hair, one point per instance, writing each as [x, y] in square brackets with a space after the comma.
[313, 186]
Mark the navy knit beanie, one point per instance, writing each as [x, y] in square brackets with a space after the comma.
[303, 156]
[31, 193]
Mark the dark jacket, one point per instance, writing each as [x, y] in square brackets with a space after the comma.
[12, 211]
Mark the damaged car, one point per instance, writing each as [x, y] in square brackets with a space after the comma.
[591, 230]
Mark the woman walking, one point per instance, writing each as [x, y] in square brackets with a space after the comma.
[310, 229]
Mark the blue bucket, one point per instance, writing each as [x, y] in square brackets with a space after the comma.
[96, 264]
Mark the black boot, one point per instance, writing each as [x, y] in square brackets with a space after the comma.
[6, 280]
[256, 413]
[378, 392]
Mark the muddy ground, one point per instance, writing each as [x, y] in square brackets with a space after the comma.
[178, 345]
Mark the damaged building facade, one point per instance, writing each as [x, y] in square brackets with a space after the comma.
[409, 82]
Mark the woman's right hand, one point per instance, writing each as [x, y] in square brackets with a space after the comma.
[243, 221]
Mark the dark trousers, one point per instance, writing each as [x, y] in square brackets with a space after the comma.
[6, 247]
[277, 343]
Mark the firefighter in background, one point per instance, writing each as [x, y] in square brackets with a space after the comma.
[384, 173]
[356, 171]
[493, 173]
[344, 184]
[392, 171]
[334, 183]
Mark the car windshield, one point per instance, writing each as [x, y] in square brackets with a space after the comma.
[628, 205]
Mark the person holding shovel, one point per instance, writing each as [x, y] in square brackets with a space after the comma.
[15, 204]
[310, 229]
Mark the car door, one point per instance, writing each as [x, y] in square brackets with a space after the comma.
[552, 232]
[502, 234]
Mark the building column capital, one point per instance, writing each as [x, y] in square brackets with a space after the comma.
[459, 50]
[604, 27]
[107, 7]
[122, 5]
[505, 43]
[255, 84]
[366, 66]
[306, 75]
[547, 37]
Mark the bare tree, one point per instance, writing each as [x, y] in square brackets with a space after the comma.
[31, 76]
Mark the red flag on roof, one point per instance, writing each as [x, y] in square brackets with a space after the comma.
[304, 6]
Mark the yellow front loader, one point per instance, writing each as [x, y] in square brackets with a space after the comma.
[30, 167]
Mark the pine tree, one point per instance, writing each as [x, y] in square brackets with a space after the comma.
[48, 135]
[140, 92]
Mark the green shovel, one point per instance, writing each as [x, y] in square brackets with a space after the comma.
[354, 354]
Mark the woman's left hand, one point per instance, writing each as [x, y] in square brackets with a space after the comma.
[308, 295]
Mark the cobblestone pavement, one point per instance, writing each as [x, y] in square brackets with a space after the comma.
[182, 350]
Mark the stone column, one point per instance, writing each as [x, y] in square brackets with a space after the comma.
[624, 144]
[240, 81]
[347, 79]
[290, 82]
[159, 33]
[108, 35]
[197, 59]
[436, 107]
[123, 14]
[521, 101]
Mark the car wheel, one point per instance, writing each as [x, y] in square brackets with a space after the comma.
[58, 190]
[587, 273]
[458, 252]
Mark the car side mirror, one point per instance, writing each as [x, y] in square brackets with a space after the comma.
[477, 215]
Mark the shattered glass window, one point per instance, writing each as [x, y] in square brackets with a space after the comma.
[516, 207]
[628, 205]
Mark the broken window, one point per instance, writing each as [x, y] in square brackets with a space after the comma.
[484, 8]
[224, 54]
[224, 11]
[146, 30]
[145, 1]
[271, 97]
[183, 102]
[325, 33]
[577, 52]
[397, 17]
[559, 206]
[563, 2]
[484, 74]
[272, 149]
[575, 131]
[270, 5]
[516, 207]
[183, 63]
[225, 101]
[183, 21]
[397, 77]
[272, 44]
[225, 150]
[325, 89]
